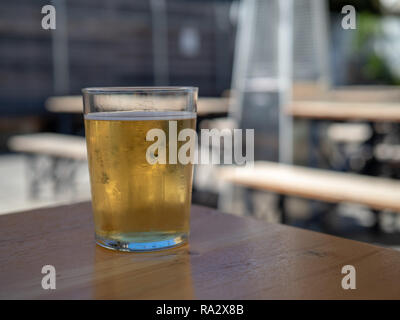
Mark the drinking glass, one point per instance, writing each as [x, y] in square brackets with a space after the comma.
[141, 192]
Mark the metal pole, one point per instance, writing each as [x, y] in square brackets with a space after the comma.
[244, 43]
[321, 34]
[285, 71]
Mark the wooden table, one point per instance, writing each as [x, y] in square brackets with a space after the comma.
[228, 257]
[73, 104]
[372, 105]
[349, 93]
[345, 103]
[345, 111]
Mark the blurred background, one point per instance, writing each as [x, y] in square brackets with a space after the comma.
[318, 94]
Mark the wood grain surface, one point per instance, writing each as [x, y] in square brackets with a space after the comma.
[345, 111]
[52, 144]
[74, 104]
[349, 93]
[227, 257]
[318, 184]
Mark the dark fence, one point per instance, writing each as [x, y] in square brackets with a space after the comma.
[110, 43]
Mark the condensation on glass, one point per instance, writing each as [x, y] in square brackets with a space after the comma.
[137, 206]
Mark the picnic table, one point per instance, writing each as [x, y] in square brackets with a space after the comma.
[73, 104]
[366, 104]
[345, 111]
[317, 184]
[228, 257]
[348, 93]
[369, 104]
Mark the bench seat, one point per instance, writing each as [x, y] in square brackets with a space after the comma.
[51, 144]
[317, 184]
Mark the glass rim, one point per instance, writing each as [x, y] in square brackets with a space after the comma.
[149, 89]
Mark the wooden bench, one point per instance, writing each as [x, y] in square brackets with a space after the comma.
[52, 144]
[386, 152]
[317, 184]
[64, 152]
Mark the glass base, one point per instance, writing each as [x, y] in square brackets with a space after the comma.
[143, 242]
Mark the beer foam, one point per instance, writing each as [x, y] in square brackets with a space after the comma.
[140, 115]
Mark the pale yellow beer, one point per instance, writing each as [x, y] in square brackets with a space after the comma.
[134, 201]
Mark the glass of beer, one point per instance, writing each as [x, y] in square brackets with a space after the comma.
[141, 192]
